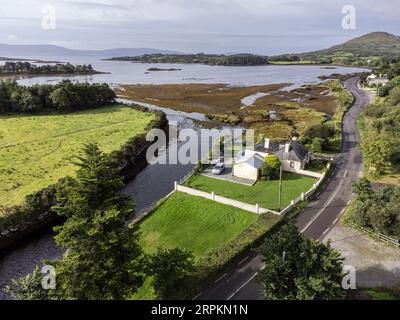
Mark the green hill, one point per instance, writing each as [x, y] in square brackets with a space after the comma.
[371, 44]
[369, 50]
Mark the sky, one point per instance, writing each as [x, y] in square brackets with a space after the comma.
[211, 26]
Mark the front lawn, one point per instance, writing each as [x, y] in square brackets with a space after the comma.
[213, 232]
[265, 193]
[192, 223]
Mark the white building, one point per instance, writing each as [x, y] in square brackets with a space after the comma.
[248, 167]
[293, 156]
[375, 80]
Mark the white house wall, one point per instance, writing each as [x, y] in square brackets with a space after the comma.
[245, 171]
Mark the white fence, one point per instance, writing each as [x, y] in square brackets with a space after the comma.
[304, 195]
[212, 196]
[238, 204]
[250, 207]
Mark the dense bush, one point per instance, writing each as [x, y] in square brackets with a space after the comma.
[376, 210]
[394, 96]
[65, 96]
[270, 168]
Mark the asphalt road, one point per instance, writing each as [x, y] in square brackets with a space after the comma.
[317, 219]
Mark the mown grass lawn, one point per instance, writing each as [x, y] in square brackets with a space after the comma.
[192, 223]
[36, 151]
[201, 226]
[265, 193]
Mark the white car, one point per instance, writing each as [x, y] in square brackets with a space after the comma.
[216, 161]
[218, 169]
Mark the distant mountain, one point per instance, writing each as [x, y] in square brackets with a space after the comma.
[37, 51]
[371, 44]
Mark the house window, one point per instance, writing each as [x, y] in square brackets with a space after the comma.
[292, 164]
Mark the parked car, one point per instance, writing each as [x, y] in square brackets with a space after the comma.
[216, 161]
[218, 169]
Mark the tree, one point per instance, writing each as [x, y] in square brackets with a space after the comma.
[363, 189]
[317, 145]
[298, 268]
[394, 96]
[28, 287]
[170, 268]
[104, 260]
[270, 168]
[376, 147]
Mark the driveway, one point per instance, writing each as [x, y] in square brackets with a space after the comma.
[227, 176]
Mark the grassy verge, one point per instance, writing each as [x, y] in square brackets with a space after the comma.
[36, 151]
[344, 101]
[265, 193]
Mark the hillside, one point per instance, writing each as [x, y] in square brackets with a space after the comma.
[366, 51]
[372, 44]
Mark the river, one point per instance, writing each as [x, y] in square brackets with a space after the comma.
[155, 181]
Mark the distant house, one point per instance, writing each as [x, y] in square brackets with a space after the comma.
[293, 156]
[375, 80]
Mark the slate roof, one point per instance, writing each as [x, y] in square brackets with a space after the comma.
[297, 152]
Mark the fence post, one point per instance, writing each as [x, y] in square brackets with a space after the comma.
[213, 196]
[303, 196]
[175, 185]
[257, 208]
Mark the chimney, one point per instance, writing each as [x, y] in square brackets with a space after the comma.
[267, 143]
[287, 147]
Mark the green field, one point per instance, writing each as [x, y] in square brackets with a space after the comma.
[193, 223]
[36, 151]
[265, 193]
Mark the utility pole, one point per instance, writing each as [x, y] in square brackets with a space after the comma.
[280, 189]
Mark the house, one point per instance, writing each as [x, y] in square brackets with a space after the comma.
[248, 166]
[293, 156]
[374, 80]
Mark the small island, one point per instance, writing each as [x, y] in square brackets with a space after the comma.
[199, 58]
[19, 68]
[163, 69]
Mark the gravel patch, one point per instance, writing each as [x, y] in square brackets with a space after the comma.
[376, 263]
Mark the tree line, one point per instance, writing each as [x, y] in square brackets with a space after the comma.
[209, 59]
[63, 97]
[19, 67]
[380, 141]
